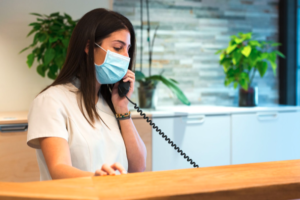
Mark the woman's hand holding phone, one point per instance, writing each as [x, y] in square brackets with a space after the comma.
[121, 103]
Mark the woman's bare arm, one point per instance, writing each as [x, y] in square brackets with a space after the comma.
[57, 155]
[135, 147]
[58, 159]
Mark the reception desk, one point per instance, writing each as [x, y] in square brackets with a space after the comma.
[271, 180]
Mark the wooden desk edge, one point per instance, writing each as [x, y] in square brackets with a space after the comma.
[275, 180]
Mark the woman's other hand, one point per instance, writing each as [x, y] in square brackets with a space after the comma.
[110, 170]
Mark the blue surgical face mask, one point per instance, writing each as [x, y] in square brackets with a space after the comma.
[113, 69]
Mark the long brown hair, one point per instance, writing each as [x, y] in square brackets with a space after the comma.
[94, 26]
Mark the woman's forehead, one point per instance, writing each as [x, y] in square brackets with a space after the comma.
[121, 35]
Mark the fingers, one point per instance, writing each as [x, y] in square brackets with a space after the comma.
[130, 79]
[130, 76]
[118, 166]
[99, 172]
[108, 169]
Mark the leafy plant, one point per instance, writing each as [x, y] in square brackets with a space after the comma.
[50, 42]
[151, 81]
[244, 56]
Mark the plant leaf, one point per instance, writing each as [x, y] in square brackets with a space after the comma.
[279, 54]
[24, 49]
[49, 55]
[263, 56]
[226, 64]
[52, 72]
[238, 40]
[275, 44]
[244, 84]
[34, 24]
[254, 43]
[262, 68]
[54, 14]
[52, 40]
[172, 86]
[222, 56]
[272, 59]
[274, 67]
[246, 51]
[246, 36]
[66, 42]
[32, 31]
[42, 37]
[139, 76]
[228, 81]
[219, 51]
[235, 85]
[174, 80]
[59, 60]
[30, 59]
[231, 48]
[236, 57]
[41, 70]
[36, 14]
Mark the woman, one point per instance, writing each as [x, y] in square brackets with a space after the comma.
[73, 123]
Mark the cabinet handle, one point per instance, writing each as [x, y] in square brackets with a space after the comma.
[7, 128]
[267, 116]
[197, 119]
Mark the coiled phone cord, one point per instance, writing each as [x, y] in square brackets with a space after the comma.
[163, 134]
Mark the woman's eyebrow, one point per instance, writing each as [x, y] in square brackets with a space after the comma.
[122, 42]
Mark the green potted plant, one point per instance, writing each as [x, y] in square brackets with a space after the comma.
[147, 84]
[52, 34]
[241, 60]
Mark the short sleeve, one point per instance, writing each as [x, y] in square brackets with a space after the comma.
[46, 118]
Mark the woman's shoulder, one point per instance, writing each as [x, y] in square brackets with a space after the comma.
[59, 93]
[59, 90]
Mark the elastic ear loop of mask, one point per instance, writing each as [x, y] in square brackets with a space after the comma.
[105, 51]
[109, 88]
[100, 46]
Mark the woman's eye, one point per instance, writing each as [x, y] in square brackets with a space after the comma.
[117, 49]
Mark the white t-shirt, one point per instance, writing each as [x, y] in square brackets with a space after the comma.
[55, 113]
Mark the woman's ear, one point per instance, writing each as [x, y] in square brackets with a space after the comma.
[86, 49]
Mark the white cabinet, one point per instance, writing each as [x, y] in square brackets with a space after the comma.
[214, 136]
[265, 136]
[204, 138]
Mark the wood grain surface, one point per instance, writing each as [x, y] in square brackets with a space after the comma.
[18, 162]
[272, 180]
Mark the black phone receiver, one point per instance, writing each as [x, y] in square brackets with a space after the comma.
[123, 88]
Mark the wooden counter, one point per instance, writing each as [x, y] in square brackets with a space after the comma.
[18, 117]
[18, 162]
[272, 180]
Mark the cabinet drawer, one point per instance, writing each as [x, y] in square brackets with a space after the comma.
[18, 161]
[205, 139]
[264, 137]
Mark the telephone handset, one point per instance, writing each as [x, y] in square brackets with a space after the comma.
[123, 89]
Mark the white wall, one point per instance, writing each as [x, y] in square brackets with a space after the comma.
[19, 84]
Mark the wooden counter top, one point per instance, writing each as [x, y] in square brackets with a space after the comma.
[18, 117]
[272, 180]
